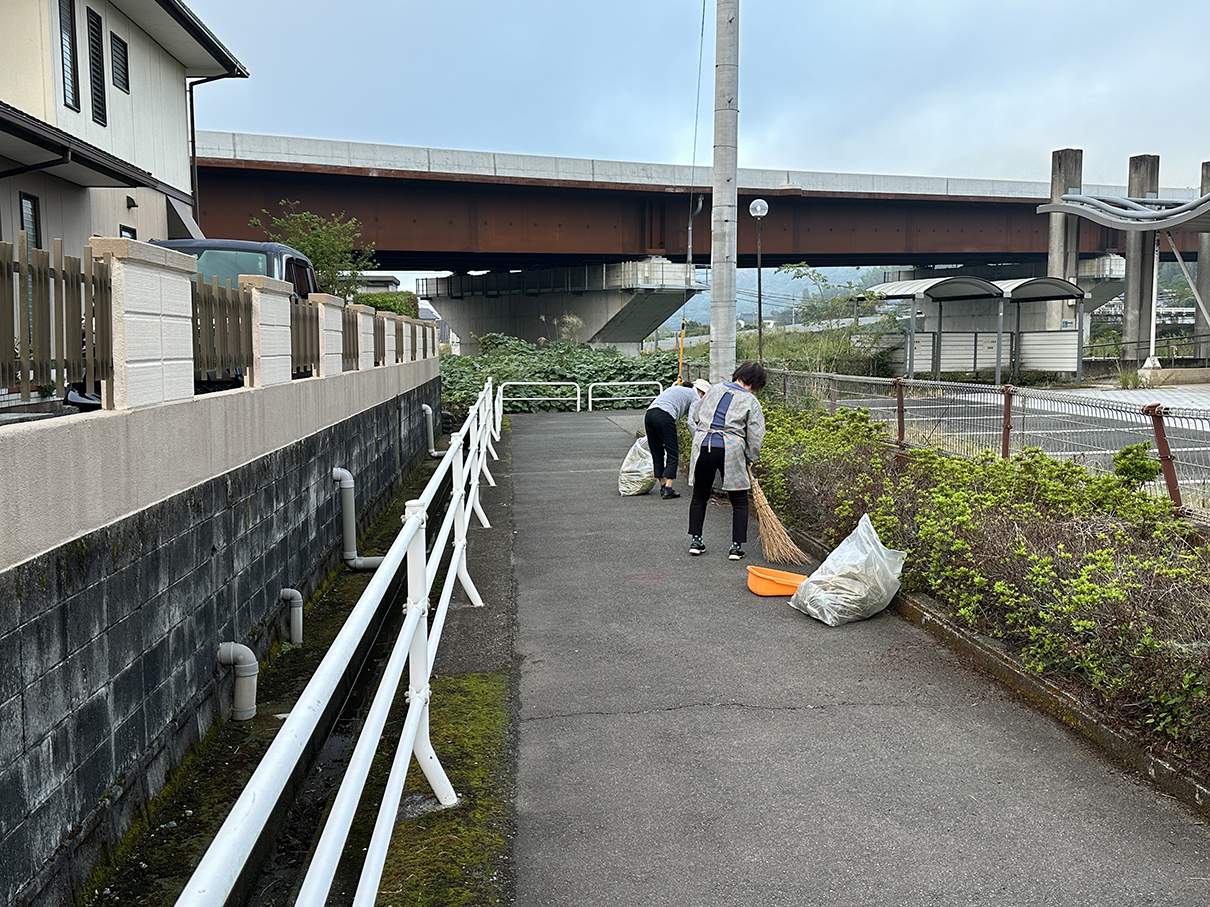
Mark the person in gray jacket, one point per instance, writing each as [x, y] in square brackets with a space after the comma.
[731, 430]
[660, 421]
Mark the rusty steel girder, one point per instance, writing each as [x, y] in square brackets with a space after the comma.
[459, 223]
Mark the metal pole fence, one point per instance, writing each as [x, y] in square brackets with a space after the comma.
[967, 420]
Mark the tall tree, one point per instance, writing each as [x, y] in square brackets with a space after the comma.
[330, 243]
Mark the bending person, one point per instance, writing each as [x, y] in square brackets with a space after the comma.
[660, 421]
[731, 429]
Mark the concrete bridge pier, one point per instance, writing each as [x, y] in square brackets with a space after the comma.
[606, 305]
[1063, 249]
[1143, 182]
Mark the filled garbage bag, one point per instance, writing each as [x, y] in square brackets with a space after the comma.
[637, 475]
[858, 579]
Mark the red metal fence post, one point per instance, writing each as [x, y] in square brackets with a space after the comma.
[1007, 425]
[1167, 461]
[899, 411]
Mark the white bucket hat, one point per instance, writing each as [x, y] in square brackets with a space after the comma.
[701, 384]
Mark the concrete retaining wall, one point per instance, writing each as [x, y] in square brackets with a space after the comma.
[146, 538]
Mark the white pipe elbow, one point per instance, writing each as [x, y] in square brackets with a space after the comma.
[348, 522]
[294, 597]
[428, 423]
[243, 659]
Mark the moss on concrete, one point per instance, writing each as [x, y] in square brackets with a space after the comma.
[449, 857]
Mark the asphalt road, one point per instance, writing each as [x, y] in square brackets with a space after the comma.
[684, 742]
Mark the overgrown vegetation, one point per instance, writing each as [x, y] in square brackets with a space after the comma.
[510, 359]
[1090, 581]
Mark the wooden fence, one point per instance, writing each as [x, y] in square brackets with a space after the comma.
[304, 338]
[57, 331]
[45, 299]
[222, 335]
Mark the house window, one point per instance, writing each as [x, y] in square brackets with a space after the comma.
[67, 36]
[121, 71]
[31, 221]
[96, 66]
[127, 232]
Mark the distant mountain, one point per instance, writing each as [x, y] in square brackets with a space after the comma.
[779, 289]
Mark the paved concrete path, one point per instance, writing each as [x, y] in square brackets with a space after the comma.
[685, 742]
[1187, 396]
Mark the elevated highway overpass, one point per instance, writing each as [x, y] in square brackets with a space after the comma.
[439, 209]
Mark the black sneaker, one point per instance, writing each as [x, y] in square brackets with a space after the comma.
[668, 492]
[736, 553]
[697, 546]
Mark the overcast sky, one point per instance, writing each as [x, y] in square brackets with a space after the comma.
[920, 87]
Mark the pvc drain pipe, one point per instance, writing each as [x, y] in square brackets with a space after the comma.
[348, 512]
[428, 422]
[246, 667]
[294, 597]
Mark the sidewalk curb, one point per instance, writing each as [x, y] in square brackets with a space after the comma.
[1185, 785]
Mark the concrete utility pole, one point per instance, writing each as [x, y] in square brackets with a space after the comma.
[1201, 326]
[724, 211]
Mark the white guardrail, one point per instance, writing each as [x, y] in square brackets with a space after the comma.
[219, 871]
[500, 398]
[659, 390]
[566, 398]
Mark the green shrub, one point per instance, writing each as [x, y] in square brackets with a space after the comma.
[403, 302]
[1082, 574]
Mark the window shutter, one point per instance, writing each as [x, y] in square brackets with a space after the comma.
[96, 67]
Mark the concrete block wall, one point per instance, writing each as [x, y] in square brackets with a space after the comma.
[111, 637]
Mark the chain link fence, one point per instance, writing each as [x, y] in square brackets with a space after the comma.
[967, 420]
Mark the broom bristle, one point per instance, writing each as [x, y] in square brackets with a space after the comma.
[774, 540]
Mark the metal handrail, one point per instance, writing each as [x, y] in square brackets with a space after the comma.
[219, 871]
[659, 386]
[500, 395]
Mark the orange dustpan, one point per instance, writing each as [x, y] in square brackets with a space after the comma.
[765, 581]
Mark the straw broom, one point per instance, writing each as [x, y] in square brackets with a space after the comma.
[774, 540]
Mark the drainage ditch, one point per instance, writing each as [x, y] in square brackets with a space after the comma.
[167, 840]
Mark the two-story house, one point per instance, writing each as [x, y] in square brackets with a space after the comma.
[95, 117]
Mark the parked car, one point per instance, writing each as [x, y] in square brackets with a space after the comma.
[226, 259]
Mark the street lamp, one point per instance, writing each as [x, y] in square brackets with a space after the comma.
[758, 209]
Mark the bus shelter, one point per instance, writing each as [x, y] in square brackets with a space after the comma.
[1064, 353]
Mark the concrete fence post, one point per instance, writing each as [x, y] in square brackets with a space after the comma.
[388, 331]
[330, 337]
[152, 322]
[365, 335]
[270, 329]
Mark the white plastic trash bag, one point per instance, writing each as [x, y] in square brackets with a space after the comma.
[857, 580]
[638, 472]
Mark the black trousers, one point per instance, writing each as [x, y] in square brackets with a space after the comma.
[710, 462]
[664, 444]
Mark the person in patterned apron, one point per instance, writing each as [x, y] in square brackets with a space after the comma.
[731, 429]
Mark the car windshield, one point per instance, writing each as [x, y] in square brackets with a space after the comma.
[228, 264]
